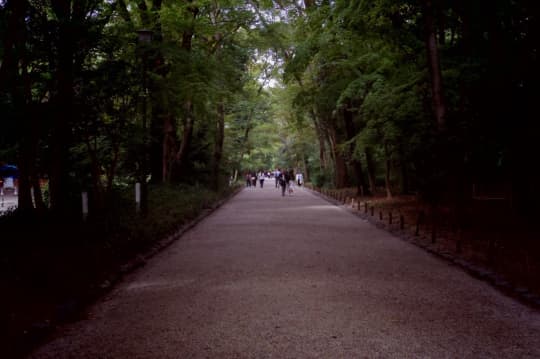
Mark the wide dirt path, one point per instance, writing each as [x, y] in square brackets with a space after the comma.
[267, 276]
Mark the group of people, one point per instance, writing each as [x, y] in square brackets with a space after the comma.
[285, 179]
[253, 177]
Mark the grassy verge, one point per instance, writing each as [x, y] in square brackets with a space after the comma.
[50, 268]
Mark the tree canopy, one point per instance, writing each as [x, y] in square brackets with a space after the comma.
[423, 96]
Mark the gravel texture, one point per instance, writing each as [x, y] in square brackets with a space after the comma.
[267, 276]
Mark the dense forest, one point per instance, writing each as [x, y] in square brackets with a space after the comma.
[415, 96]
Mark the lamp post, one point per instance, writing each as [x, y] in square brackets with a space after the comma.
[144, 39]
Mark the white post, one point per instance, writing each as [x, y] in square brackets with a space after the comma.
[138, 196]
[33, 197]
[84, 196]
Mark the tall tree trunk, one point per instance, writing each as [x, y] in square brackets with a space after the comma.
[95, 172]
[437, 94]
[22, 96]
[24, 183]
[348, 118]
[404, 177]
[218, 145]
[188, 116]
[111, 172]
[33, 150]
[58, 188]
[321, 138]
[185, 144]
[13, 36]
[38, 195]
[370, 164]
[341, 171]
[160, 112]
[340, 166]
[387, 177]
[14, 80]
[169, 140]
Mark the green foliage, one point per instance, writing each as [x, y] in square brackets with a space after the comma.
[300, 87]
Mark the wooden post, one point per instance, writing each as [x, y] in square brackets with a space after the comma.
[365, 207]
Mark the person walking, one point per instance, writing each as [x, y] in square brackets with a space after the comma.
[282, 182]
[290, 181]
[254, 179]
[261, 178]
[277, 174]
[299, 179]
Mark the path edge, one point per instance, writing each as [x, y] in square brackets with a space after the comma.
[496, 281]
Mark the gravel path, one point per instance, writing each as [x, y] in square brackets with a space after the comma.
[267, 276]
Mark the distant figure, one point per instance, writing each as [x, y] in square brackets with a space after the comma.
[299, 179]
[290, 181]
[261, 178]
[254, 179]
[248, 179]
[277, 174]
[283, 182]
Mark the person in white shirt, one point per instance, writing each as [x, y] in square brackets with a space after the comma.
[299, 179]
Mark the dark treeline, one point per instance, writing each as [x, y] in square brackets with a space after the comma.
[431, 97]
[97, 94]
[435, 97]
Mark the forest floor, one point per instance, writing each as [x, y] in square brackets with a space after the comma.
[491, 243]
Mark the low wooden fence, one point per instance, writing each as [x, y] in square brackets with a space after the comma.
[477, 234]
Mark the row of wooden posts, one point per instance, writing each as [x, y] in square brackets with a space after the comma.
[355, 203]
